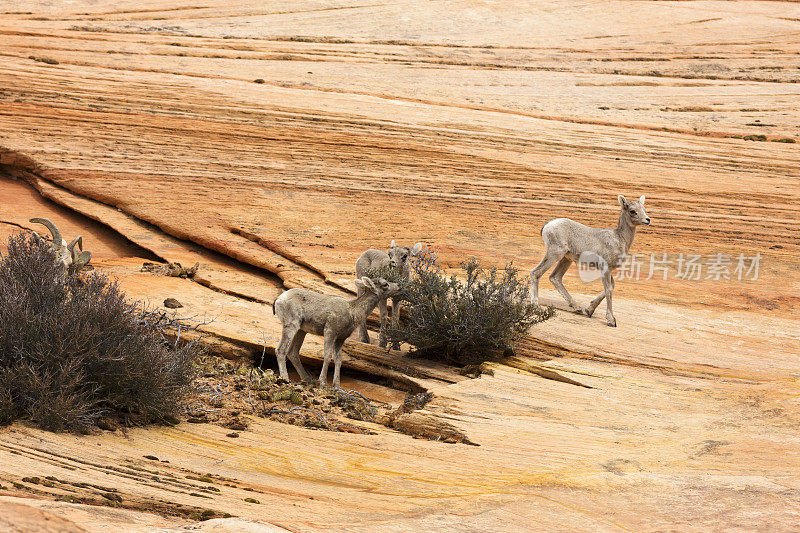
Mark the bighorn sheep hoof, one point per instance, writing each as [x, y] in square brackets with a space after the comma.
[612, 323]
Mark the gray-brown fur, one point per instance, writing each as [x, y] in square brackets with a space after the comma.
[70, 255]
[397, 257]
[334, 318]
[565, 240]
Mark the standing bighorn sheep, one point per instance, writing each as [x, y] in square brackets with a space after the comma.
[565, 240]
[397, 257]
[334, 318]
[66, 254]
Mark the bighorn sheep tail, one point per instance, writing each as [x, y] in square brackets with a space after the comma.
[57, 239]
[541, 230]
[273, 306]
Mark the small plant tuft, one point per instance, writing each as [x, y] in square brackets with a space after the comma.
[74, 351]
[464, 322]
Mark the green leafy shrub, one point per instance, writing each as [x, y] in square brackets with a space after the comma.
[467, 321]
[73, 350]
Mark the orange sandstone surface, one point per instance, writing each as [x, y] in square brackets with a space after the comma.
[273, 142]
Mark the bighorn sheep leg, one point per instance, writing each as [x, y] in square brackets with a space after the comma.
[303, 311]
[566, 240]
[557, 277]
[550, 259]
[398, 257]
[608, 286]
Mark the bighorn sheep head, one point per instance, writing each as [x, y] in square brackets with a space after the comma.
[71, 255]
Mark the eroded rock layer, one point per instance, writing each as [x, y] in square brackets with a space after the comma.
[271, 144]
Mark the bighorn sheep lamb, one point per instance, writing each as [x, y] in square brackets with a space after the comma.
[334, 318]
[397, 257]
[566, 240]
[66, 254]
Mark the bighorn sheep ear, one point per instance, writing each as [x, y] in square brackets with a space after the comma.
[368, 284]
[52, 228]
[641, 199]
[416, 249]
[358, 283]
[622, 201]
[392, 244]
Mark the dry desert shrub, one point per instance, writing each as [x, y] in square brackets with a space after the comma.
[464, 321]
[74, 351]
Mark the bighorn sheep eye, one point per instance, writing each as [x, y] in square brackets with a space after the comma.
[633, 212]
